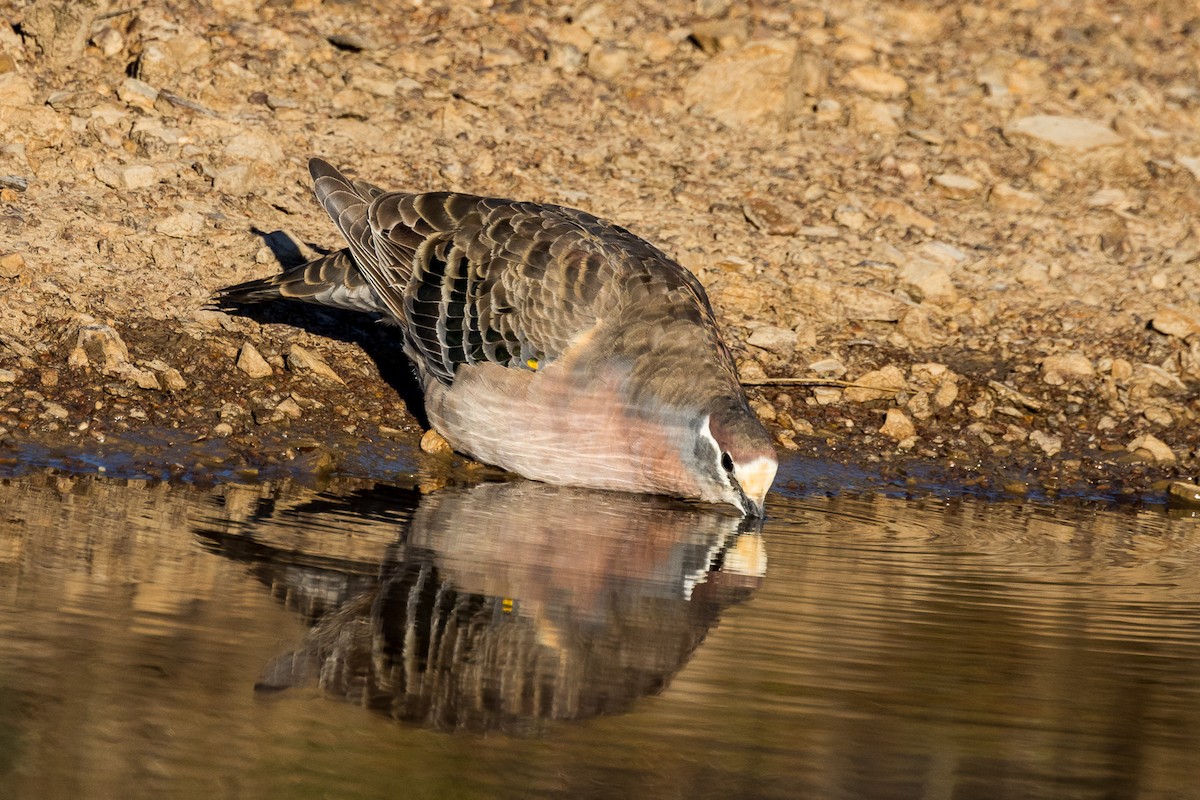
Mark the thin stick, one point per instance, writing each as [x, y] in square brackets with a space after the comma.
[814, 382]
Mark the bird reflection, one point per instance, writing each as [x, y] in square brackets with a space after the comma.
[505, 606]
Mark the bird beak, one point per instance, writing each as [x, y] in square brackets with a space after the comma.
[755, 479]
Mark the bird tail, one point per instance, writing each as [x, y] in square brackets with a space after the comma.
[332, 280]
[347, 202]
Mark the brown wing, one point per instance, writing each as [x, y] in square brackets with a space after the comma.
[477, 279]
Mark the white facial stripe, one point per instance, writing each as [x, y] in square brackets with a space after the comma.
[706, 432]
[756, 477]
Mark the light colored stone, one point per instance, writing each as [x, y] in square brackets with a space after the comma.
[1152, 447]
[898, 426]
[104, 348]
[251, 362]
[11, 265]
[903, 214]
[435, 444]
[1010, 198]
[773, 216]
[301, 360]
[142, 378]
[1176, 322]
[872, 117]
[828, 368]
[748, 86]
[876, 385]
[776, 340]
[957, 186]
[1050, 444]
[1191, 164]
[162, 63]
[8, 376]
[1069, 133]
[183, 225]
[15, 90]
[609, 61]
[1069, 365]
[946, 394]
[138, 94]
[926, 280]
[851, 217]
[172, 380]
[288, 408]
[876, 81]
[255, 145]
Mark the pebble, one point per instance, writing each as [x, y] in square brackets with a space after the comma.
[1050, 444]
[926, 280]
[1070, 133]
[872, 117]
[876, 81]
[8, 376]
[162, 62]
[15, 90]
[1184, 493]
[1174, 322]
[776, 340]
[746, 86]
[957, 186]
[898, 426]
[183, 225]
[435, 444]
[251, 362]
[11, 265]
[1057, 369]
[1009, 198]
[104, 348]
[773, 216]
[903, 215]
[301, 360]
[715, 36]
[876, 385]
[1153, 447]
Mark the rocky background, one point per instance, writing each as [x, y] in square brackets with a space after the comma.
[949, 237]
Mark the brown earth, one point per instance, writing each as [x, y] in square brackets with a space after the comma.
[968, 231]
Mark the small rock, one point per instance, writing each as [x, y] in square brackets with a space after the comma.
[828, 368]
[898, 426]
[876, 81]
[11, 265]
[57, 411]
[876, 385]
[8, 376]
[255, 146]
[957, 186]
[916, 326]
[1069, 133]
[773, 216]
[301, 360]
[173, 380]
[873, 117]
[251, 362]
[925, 280]
[163, 62]
[109, 40]
[1153, 447]
[15, 90]
[776, 340]
[1010, 198]
[237, 180]
[142, 378]
[1121, 369]
[1159, 416]
[1184, 493]
[103, 347]
[946, 394]
[183, 225]
[1191, 164]
[1050, 444]
[222, 429]
[435, 444]
[715, 36]
[746, 86]
[903, 215]
[851, 217]
[288, 408]
[609, 61]
[1169, 321]
[138, 94]
[1072, 365]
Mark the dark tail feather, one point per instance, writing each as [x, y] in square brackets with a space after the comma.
[346, 202]
[332, 280]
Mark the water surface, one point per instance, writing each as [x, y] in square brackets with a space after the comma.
[358, 639]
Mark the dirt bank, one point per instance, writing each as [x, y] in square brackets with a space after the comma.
[968, 232]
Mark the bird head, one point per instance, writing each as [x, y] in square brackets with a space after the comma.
[734, 458]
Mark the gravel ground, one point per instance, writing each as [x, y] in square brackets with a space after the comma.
[941, 237]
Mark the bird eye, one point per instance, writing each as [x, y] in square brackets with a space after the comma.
[727, 462]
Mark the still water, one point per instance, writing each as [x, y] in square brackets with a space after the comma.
[356, 639]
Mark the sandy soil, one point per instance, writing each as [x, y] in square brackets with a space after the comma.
[966, 233]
